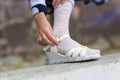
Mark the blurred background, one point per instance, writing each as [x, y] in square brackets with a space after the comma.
[90, 25]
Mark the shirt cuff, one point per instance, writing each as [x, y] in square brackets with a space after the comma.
[38, 8]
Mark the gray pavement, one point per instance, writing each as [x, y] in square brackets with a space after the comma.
[106, 68]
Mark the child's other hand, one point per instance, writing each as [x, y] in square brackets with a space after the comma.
[44, 32]
[57, 2]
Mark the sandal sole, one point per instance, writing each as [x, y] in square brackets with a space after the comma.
[57, 58]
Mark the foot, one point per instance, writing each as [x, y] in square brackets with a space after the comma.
[71, 48]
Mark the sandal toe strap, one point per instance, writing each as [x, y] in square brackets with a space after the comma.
[77, 51]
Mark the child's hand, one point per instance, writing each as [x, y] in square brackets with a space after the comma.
[44, 32]
[57, 2]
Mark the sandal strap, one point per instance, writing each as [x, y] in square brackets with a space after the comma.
[64, 36]
[77, 51]
[54, 48]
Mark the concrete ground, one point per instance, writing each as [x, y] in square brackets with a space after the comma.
[106, 68]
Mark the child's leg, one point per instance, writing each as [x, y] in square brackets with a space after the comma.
[61, 18]
[61, 27]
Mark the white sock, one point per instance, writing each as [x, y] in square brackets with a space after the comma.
[61, 26]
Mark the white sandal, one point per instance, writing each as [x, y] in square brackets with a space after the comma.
[74, 55]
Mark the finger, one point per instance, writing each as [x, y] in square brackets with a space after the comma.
[42, 43]
[62, 1]
[54, 2]
[37, 36]
[39, 39]
[52, 38]
[57, 40]
[57, 3]
[44, 37]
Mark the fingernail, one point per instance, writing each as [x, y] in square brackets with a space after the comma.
[58, 40]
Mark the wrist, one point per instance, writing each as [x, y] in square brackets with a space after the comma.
[40, 17]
